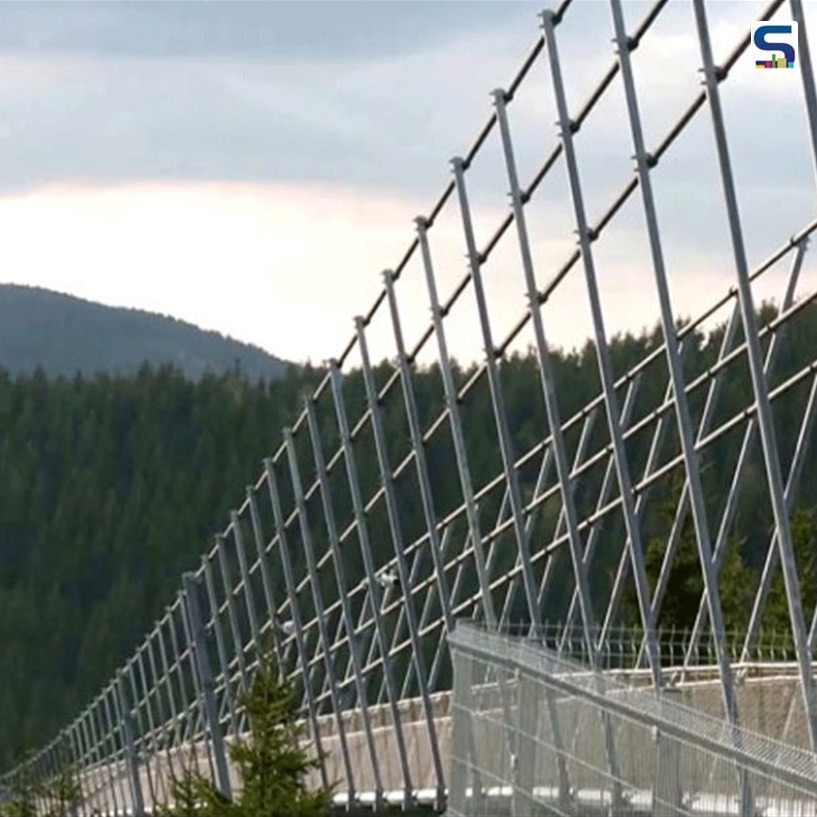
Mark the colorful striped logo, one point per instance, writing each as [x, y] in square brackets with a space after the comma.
[775, 45]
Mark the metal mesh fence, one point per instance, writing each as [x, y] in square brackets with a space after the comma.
[538, 733]
[322, 565]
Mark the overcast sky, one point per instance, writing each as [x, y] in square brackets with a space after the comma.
[252, 167]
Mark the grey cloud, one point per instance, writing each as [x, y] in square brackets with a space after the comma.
[104, 117]
[361, 93]
[287, 29]
[198, 123]
[386, 125]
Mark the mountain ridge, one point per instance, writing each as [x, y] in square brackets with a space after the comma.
[64, 334]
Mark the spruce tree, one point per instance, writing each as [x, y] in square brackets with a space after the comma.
[271, 763]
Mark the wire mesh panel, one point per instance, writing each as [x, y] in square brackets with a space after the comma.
[411, 491]
[538, 733]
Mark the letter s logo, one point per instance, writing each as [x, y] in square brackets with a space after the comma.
[763, 31]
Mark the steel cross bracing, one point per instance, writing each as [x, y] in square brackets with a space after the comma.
[321, 564]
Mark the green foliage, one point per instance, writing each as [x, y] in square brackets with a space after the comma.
[194, 796]
[57, 797]
[804, 534]
[738, 580]
[62, 794]
[111, 488]
[737, 584]
[22, 796]
[271, 764]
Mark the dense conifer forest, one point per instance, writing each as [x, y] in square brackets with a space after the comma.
[111, 486]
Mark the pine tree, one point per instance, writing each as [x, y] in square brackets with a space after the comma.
[23, 796]
[63, 794]
[271, 763]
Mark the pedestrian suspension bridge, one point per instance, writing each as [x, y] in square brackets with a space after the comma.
[504, 656]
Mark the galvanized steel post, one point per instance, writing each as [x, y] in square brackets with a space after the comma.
[198, 646]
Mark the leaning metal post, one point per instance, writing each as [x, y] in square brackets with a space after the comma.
[111, 726]
[497, 399]
[166, 717]
[232, 614]
[86, 732]
[173, 711]
[131, 760]
[392, 510]
[142, 744]
[759, 386]
[444, 592]
[162, 738]
[246, 584]
[194, 699]
[455, 423]
[266, 581]
[221, 650]
[346, 609]
[602, 351]
[89, 748]
[298, 630]
[153, 750]
[145, 749]
[198, 646]
[738, 470]
[548, 382]
[418, 445]
[684, 422]
[359, 678]
[320, 610]
[364, 540]
[76, 748]
[82, 753]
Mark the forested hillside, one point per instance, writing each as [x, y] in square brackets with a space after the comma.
[110, 489]
[111, 486]
[64, 335]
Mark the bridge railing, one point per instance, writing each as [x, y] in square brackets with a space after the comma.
[535, 733]
[405, 496]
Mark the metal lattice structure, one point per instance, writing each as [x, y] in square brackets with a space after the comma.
[320, 563]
